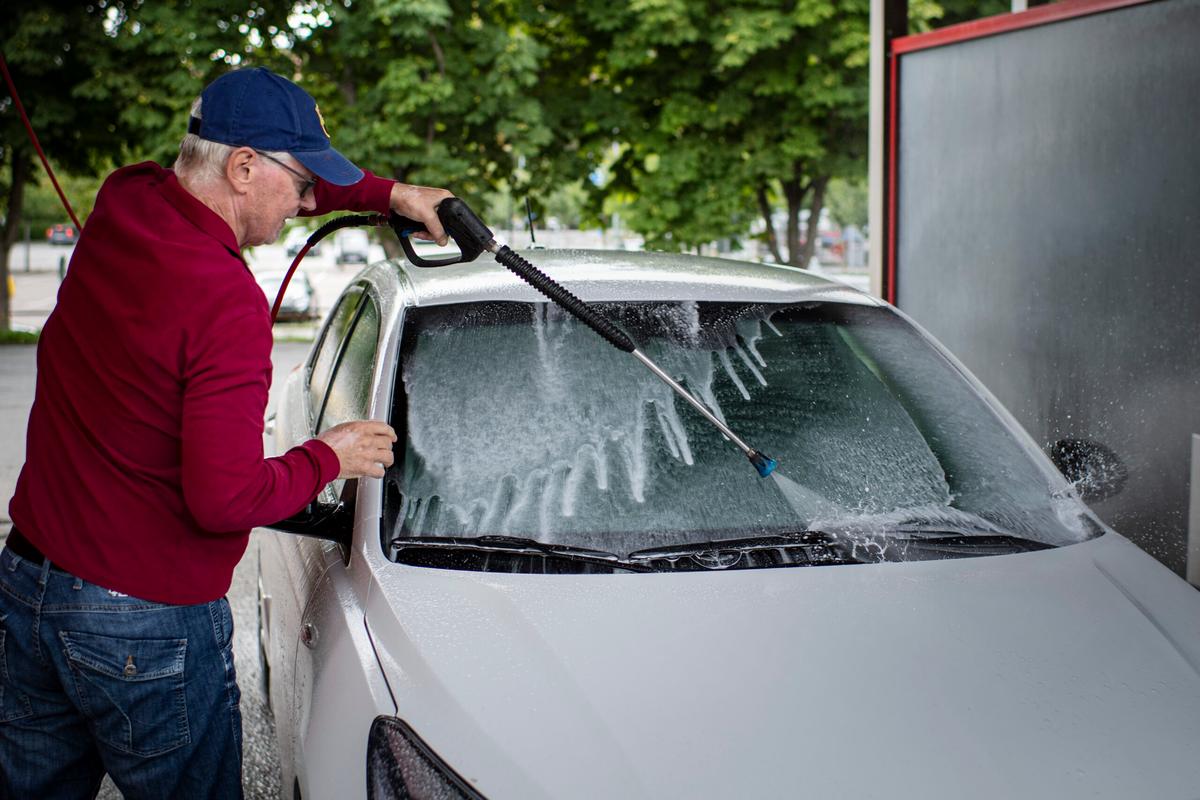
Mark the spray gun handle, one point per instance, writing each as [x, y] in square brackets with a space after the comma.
[404, 228]
[460, 222]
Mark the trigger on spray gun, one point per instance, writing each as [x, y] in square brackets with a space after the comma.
[468, 232]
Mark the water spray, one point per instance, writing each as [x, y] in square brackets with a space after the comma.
[474, 238]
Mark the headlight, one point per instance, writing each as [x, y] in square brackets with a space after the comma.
[402, 767]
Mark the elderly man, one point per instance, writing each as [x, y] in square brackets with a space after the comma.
[145, 471]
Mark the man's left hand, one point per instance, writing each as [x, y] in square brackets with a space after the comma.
[420, 203]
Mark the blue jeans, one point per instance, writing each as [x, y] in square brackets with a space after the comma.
[93, 681]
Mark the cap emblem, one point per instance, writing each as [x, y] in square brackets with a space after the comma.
[321, 119]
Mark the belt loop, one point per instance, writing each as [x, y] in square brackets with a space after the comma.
[45, 576]
[78, 584]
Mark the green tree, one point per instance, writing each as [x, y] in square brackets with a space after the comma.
[952, 12]
[848, 202]
[435, 92]
[110, 82]
[719, 110]
[42, 207]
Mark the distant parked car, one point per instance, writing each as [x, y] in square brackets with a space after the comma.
[61, 234]
[568, 586]
[353, 246]
[295, 240]
[300, 301]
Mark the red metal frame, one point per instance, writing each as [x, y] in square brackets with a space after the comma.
[966, 31]
[1002, 23]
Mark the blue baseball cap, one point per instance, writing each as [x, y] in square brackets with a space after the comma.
[257, 108]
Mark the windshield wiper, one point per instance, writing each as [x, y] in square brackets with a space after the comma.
[512, 546]
[802, 548]
[832, 547]
[964, 541]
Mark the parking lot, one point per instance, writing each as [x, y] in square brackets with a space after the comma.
[36, 270]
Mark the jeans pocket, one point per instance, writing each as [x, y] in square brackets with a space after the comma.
[132, 690]
[14, 705]
[222, 617]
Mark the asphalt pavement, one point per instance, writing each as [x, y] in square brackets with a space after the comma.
[259, 748]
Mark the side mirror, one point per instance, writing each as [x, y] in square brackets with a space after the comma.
[323, 519]
[1091, 467]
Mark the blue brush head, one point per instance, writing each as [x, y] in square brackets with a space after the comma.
[763, 463]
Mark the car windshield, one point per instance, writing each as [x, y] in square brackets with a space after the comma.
[519, 421]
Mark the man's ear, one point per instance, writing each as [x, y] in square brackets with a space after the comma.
[239, 168]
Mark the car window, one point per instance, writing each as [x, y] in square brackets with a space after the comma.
[326, 350]
[349, 392]
[519, 421]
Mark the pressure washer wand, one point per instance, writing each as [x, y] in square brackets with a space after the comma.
[473, 237]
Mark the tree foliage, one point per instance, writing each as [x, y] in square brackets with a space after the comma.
[109, 82]
[436, 92]
[716, 109]
[848, 200]
[697, 118]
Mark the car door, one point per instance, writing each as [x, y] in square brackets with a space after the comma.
[292, 566]
[338, 690]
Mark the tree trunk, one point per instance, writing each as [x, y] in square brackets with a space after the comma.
[815, 205]
[794, 191]
[12, 231]
[764, 208]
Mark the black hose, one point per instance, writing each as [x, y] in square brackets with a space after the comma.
[572, 304]
[351, 221]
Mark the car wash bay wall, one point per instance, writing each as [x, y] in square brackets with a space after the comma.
[1045, 204]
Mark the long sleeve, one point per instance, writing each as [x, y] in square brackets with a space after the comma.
[372, 193]
[228, 484]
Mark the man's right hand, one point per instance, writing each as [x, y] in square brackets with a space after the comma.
[420, 203]
[364, 448]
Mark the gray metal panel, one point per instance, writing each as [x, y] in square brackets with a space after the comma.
[1049, 234]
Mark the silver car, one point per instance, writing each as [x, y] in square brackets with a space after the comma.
[299, 301]
[569, 585]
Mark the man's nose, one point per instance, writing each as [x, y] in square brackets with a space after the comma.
[309, 201]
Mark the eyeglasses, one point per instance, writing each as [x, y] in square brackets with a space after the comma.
[308, 184]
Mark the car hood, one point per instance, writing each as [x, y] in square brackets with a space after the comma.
[1064, 673]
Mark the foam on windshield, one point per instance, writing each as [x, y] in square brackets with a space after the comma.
[528, 424]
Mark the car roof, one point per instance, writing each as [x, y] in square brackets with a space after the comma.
[602, 275]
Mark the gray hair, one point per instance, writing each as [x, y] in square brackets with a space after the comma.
[204, 161]
[199, 159]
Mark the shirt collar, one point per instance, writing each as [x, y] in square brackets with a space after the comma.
[197, 213]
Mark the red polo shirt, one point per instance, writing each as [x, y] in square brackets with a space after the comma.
[144, 467]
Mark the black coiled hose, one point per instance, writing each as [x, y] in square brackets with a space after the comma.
[572, 304]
